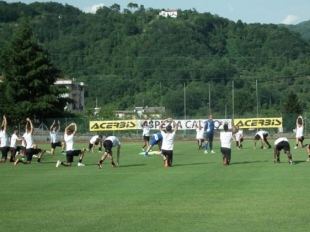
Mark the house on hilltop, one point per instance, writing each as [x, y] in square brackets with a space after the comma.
[173, 13]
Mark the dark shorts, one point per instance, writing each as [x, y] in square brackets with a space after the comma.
[90, 146]
[13, 149]
[167, 152]
[108, 144]
[209, 137]
[54, 145]
[71, 154]
[301, 139]
[257, 137]
[283, 145]
[146, 138]
[30, 152]
[226, 151]
[4, 151]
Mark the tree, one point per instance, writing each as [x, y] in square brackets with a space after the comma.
[292, 104]
[29, 78]
[292, 107]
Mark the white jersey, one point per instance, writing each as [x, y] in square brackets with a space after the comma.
[14, 139]
[146, 131]
[199, 133]
[279, 140]
[114, 140]
[54, 136]
[238, 135]
[23, 142]
[29, 140]
[168, 141]
[226, 137]
[299, 131]
[261, 134]
[94, 139]
[4, 139]
[69, 139]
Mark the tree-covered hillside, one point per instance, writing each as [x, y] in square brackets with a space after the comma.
[132, 56]
[303, 28]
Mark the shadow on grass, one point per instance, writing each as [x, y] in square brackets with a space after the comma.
[130, 165]
[120, 166]
[249, 162]
[299, 161]
[180, 165]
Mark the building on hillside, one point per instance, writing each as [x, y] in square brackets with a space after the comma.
[155, 112]
[173, 13]
[76, 93]
[142, 112]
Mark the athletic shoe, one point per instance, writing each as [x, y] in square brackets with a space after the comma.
[58, 163]
[99, 165]
[142, 148]
[39, 162]
[146, 154]
[113, 166]
[206, 152]
[212, 151]
[80, 165]
[35, 156]
[292, 162]
[254, 148]
[295, 147]
[63, 153]
[269, 147]
[303, 146]
[308, 159]
[16, 162]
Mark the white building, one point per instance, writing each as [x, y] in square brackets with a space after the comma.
[76, 93]
[169, 13]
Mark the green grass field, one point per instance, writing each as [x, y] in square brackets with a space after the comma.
[197, 194]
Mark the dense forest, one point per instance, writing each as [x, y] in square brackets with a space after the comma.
[133, 57]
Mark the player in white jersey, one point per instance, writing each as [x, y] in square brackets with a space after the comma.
[279, 144]
[262, 136]
[146, 133]
[108, 144]
[13, 146]
[299, 132]
[168, 141]
[239, 139]
[199, 133]
[95, 140]
[70, 150]
[31, 148]
[226, 137]
[4, 140]
[54, 131]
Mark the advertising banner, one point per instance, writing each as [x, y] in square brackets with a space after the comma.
[112, 125]
[258, 123]
[186, 124]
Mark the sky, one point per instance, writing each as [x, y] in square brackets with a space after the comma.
[248, 11]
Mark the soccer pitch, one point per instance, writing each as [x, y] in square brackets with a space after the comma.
[197, 194]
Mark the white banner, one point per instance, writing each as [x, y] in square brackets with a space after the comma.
[186, 124]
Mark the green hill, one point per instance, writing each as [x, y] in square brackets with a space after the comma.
[134, 57]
